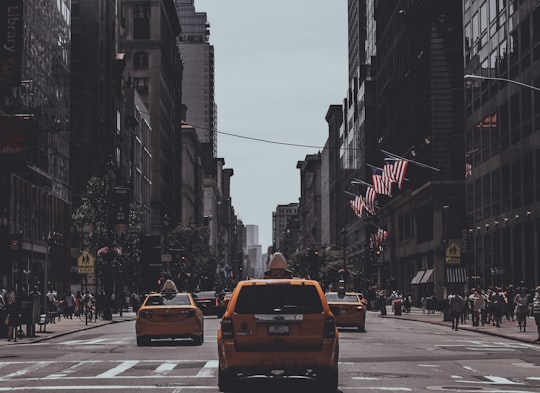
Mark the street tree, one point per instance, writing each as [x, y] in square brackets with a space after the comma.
[194, 264]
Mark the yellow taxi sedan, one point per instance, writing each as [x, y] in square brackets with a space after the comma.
[169, 314]
[349, 309]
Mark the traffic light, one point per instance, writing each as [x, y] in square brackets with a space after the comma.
[159, 281]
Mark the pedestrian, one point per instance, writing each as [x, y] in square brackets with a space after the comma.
[498, 301]
[536, 310]
[455, 302]
[521, 304]
[478, 303]
[13, 318]
[69, 304]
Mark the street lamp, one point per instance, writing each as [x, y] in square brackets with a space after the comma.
[471, 77]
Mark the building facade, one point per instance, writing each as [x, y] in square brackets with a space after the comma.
[35, 202]
[502, 129]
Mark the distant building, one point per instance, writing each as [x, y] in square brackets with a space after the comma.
[285, 226]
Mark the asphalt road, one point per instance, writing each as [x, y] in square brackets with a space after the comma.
[394, 355]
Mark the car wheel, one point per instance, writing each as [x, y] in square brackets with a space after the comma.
[226, 382]
[362, 328]
[328, 380]
[143, 341]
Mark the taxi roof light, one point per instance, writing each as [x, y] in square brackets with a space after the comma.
[169, 288]
[278, 267]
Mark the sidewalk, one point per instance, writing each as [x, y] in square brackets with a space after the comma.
[64, 326]
[508, 329]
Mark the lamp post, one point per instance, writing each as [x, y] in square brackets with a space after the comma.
[344, 239]
[471, 77]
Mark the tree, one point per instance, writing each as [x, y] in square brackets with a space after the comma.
[118, 253]
[193, 265]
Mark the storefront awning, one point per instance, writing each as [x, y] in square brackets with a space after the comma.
[416, 279]
[456, 275]
[427, 277]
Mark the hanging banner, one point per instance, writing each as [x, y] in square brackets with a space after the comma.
[11, 42]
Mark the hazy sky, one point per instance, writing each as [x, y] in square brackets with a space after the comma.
[279, 65]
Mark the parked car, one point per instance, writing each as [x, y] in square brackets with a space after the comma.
[278, 326]
[169, 314]
[349, 309]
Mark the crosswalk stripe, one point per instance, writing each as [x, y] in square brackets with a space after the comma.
[25, 370]
[118, 369]
[165, 367]
[208, 369]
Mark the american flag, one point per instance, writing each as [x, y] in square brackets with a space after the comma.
[357, 204]
[396, 171]
[382, 185]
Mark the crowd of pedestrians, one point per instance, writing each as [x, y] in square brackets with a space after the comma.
[493, 306]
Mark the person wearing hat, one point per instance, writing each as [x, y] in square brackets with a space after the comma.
[536, 310]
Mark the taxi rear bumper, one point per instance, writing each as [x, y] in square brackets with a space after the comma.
[260, 362]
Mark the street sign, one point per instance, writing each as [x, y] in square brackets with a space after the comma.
[85, 263]
[453, 254]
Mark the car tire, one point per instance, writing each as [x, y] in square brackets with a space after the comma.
[226, 382]
[143, 341]
[328, 380]
[362, 328]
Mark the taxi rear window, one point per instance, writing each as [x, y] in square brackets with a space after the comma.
[178, 300]
[285, 299]
[334, 297]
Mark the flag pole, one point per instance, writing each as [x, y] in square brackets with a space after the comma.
[395, 156]
[358, 181]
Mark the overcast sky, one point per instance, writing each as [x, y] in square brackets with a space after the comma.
[279, 65]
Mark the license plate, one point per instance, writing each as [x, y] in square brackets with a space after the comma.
[278, 330]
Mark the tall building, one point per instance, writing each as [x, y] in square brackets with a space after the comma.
[198, 76]
[502, 125]
[309, 208]
[254, 266]
[154, 69]
[420, 118]
[35, 201]
[285, 227]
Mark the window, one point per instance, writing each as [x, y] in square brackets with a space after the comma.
[141, 21]
[516, 184]
[295, 299]
[528, 178]
[495, 192]
[424, 220]
[486, 190]
[141, 84]
[140, 60]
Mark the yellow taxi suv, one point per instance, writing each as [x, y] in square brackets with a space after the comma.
[278, 327]
[349, 309]
[169, 315]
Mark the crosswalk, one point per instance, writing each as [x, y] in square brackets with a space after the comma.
[106, 369]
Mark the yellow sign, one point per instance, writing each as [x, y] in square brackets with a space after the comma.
[85, 270]
[453, 254]
[85, 260]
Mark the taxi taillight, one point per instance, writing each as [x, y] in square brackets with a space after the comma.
[145, 314]
[329, 328]
[227, 328]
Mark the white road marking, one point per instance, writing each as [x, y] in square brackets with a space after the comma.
[208, 370]
[165, 368]
[118, 369]
[103, 387]
[32, 367]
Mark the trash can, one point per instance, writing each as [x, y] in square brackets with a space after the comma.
[397, 306]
